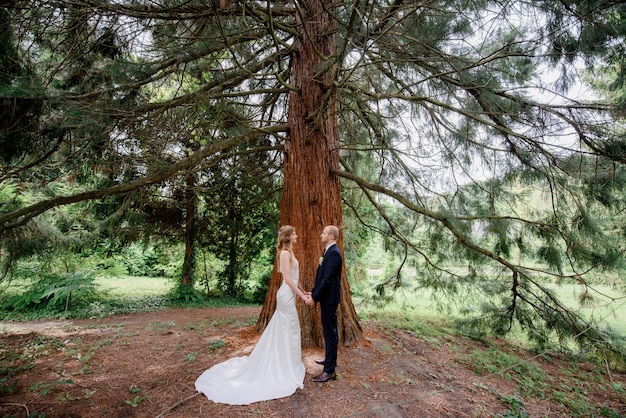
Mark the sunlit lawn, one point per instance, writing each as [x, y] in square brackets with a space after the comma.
[131, 286]
[608, 304]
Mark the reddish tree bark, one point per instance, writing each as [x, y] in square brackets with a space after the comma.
[311, 196]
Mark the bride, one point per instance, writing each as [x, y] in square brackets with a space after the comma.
[274, 369]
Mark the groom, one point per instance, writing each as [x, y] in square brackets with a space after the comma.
[327, 292]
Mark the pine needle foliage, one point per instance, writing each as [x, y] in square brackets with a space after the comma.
[465, 138]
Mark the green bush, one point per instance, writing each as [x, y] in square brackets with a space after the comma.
[50, 294]
[141, 261]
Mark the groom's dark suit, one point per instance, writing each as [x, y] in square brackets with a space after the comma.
[327, 292]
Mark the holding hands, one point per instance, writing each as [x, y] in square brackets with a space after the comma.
[307, 298]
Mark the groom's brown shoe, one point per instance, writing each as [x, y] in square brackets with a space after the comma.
[324, 377]
[321, 361]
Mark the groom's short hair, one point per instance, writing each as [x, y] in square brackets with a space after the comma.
[333, 231]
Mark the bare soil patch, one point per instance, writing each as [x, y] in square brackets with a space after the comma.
[145, 365]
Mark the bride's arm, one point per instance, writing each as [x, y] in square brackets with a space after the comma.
[302, 290]
[285, 268]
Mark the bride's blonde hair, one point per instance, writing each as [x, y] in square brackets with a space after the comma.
[284, 239]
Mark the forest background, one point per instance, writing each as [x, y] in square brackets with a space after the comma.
[478, 147]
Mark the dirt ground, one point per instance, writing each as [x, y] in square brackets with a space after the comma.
[145, 365]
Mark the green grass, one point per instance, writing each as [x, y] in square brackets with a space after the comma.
[413, 312]
[530, 377]
[112, 296]
[126, 286]
[568, 387]
[129, 286]
[608, 305]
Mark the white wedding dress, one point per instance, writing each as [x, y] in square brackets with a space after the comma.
[273, 370]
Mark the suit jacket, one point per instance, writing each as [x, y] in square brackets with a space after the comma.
[327, 288]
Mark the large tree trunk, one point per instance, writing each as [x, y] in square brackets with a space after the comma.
[311, 194]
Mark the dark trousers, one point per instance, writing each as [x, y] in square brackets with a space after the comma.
[331, 336]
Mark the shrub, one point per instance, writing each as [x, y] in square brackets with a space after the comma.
[52, 293]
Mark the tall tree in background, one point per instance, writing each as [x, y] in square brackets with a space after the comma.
[460, 105]
[311, 196]
[239, 207]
